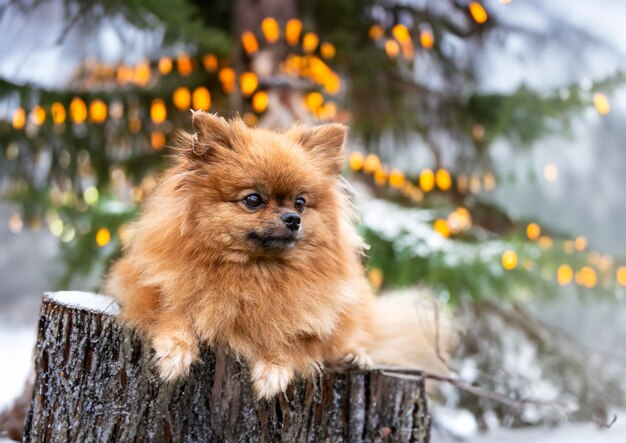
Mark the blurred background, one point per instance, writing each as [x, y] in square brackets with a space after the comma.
[487, 151]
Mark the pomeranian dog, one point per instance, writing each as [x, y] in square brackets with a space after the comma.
[248, 241]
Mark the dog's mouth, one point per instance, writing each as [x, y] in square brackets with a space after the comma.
[274, 242]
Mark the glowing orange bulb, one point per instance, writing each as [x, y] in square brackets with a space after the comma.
[78, 110]
[396, 178]
[401, 33]
[310, 42]
[182, 98]
[392, 48]
[375, 277]
[356, 161]
[427, 39]
[269, 26]
[210, 62]
[376, 32]
[248, 83]
[97, 111]
[478, 12]
[587, 277]
[533, 231]
[260, 101]
[158, 112]
[185, 67]
[292, 31]
[103, 237]
[580, 243]
[441, 227]
[427, 180]
[509, 260]
[313, 100]
[564, 275]
[249, 43]
[157, 140]
[332, 84]
[165, 65]
[443, 179]
[621, 275]
[226, 77]
[328, 50]
[380, 177]
[58, 113]
[142, 73]
[19, 118]
[372, 163]
[544, 242]
[201, 99]
[38, 115]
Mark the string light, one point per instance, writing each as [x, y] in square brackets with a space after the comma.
[401, 33]
[269, 26]
[201, 99]
[509, 260]
[356, 161]
[564, 275]
[249, 43]
[375, 277]
[91, 195]
[103, 237]
[165, 65]
[533, 231]
[58, 113]
[580, 243]
[292, 31]
[478, 12]
[313, 100]
[142, 73]
[427, 180]
[38, 115]
[157, 140]
[441, 227]
[19, 118]
[210, 62]
[550, 172]
[427, 39]
[601, 103]
[620, 275]
[392, 48]
[371, 164]
[78, 110]
[380, 177]
[98, 111]
[182, 98]
[376, 32]
[327, 50]
[544, 242]
[16, 223]
[226, 77]
[310, 42]
[489, 181]
[158, 112]
[396, 178]
[443, 179]
[185, 67]
[586, 277]
[248, 83]
[260, 101]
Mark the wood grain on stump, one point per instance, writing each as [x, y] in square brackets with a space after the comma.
[95, 382]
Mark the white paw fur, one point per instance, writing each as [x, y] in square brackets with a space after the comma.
[360, 358]
[174, 355]
[269, 379]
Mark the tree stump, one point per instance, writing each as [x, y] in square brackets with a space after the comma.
[95, 382]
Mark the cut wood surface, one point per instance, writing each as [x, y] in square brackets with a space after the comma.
[95, 382]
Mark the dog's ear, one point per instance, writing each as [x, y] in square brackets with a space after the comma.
[211, 132]
[325, 142]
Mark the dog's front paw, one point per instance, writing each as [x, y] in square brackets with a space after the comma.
[174, 353]
[269, 379]
[360, 358]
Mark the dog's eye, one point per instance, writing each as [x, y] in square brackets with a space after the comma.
[299, 204]
[253, 201]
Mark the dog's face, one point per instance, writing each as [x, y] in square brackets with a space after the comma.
[258, 193]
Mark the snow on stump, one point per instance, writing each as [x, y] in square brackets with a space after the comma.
[95, 381]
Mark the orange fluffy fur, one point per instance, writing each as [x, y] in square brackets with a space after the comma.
[203, 267]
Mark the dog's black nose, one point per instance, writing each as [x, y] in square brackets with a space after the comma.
[291, 220]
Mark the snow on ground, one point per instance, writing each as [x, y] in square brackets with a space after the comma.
[16, 348]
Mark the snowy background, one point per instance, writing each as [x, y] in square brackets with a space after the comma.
[588, 196]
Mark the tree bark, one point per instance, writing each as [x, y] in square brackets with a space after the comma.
[95, 381]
